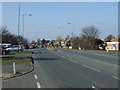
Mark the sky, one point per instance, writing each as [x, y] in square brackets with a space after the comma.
[50, 19]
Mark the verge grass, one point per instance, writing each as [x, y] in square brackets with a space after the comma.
[17, 60]
[26, 52]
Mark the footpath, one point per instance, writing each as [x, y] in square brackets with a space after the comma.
[21, 69]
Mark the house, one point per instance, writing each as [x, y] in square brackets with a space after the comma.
[114, 44]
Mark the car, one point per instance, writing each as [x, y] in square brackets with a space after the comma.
[16, 48]
[3, 51]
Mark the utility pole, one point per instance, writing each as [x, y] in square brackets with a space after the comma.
[18, 26]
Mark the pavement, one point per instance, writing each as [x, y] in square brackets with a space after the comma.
[21, 69]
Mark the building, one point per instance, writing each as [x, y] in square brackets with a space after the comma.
[114, 44]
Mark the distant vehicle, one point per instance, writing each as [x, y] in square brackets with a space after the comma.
[3, 51]
[16, 48]
[6, 45]
[33, 46]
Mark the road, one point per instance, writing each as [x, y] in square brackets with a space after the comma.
[69, 69]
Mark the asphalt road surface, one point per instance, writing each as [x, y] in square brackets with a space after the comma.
[69, 69]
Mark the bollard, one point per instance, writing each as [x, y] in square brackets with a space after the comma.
[107, 50]
[14, 69]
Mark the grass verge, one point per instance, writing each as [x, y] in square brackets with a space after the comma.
[26, 52]
[17, 60]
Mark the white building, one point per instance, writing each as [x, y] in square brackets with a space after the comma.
[112, 45]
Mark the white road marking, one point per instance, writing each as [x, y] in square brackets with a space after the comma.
[93, 87]
[73, 61]
[116, 77]
[60, 51]
[70, 59]
[63, 56]
[92, 68]
[35, 76]
[38, 85]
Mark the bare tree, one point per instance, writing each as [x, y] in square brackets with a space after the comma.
[89, 35]
[58, 38]
[90, 31]
[7, 37]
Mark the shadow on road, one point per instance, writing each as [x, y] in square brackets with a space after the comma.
[46, 59]
[42, 52]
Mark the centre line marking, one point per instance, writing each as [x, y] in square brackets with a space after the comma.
[35, 76]
[92, 68]
[38, 85]
[63, 56]
[116, 77]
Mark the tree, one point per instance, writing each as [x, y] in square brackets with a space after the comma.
[33, 42]
[109, 37]
[68, 37]
[91, 32]
[59, 38]
[75, 43]
[7, 37]
[89, 35]
[38, 41]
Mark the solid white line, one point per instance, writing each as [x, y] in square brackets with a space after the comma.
[35, 76]
[116, 77]
[72, 61]
[92, 68]
[38, 85]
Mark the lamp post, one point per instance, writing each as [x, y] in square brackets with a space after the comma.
[73, 30]
[23, 21]
[18, 25]
[72, 34]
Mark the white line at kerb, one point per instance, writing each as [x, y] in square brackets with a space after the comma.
[38, 85]
[92, 68]
[73, 61]
[116, 77]
[35, 76]
[93, 87]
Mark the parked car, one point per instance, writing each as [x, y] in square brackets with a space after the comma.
[3, 51]
[16, 48]
[31, 46]
[6, 45]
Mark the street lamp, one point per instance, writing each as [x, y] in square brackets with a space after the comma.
[73, 30]
[18, 26]
[23, 21]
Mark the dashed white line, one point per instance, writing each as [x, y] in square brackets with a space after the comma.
[116, 77]
[92, 68]
[63, 56]
[35, 76]
[38, 85]
[70, 59]
[93, 87]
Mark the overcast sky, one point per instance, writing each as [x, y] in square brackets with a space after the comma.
[47, 17]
